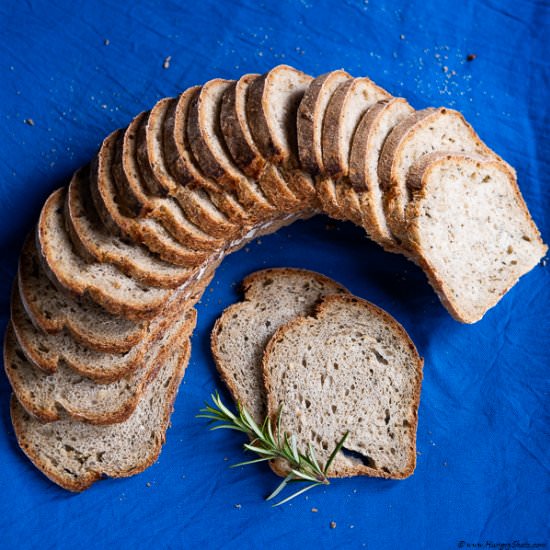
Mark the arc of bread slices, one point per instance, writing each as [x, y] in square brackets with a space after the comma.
[470, 230]
[66, 394]
[244, 152]
[272, 297]
[353, 366]
[76, 455]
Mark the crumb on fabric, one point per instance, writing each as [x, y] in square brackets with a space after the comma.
[314, 510]
[106, 42]
[29, 121]
[471, 57]
[333, 525]
[166, 62]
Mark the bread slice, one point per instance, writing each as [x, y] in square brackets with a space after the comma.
[374, 127]
[349, 102]
[422, 132]
[350, 367]
[104, 283]
[94, 242]
[470, 230]
[245, 153]
[271, 109]
[147, 231]
[76, 455]
[136, 151]
[47, 351]
[52, 311]
[210, 150]
[272, 297]
[66, 394]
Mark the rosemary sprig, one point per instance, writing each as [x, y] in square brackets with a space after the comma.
[304, 467]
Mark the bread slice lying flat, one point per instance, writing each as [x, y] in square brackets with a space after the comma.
[271, 298]
[76, 455]
[64, 393]
[350, 367]
[470, 230]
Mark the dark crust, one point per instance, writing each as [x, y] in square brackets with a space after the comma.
[124, 409]
[85, 481]
[311, 158]
[322, 309]
[417, 183]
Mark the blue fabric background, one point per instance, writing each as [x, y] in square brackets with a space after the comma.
[483, 434]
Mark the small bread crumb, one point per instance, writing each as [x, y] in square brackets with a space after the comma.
[166, 63]
[314, 510]
[29, 121]
[333, 525]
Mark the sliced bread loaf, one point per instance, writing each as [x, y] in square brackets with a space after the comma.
[245, 153]
[52, 311]
[271, 109]
[75, 455]
[65, 393]
[367, 142]
[422, 132]
[210, 150]
[470, 230]
[272, 297]
[350, 367]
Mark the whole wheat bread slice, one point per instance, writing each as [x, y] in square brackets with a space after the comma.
[104, 283]
[422, 132]
[245, 153]
[95, 243]
[272, 297]
[271, 109]
[52, 311]
[350, 367]
[210, 150]
[76, 455]
[66, 394]
[366, 146]
[470, 230]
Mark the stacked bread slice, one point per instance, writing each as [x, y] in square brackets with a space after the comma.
[103, 304]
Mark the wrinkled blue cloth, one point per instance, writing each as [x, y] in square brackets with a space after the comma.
[72, 72]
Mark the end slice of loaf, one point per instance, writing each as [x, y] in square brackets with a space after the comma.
[76, 455]
[470, 230]
[351, 368]
[367, 143]
[67, 394]
[271, 298]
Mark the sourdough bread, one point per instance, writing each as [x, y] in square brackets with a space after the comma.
[350, 367]
[76, 455]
